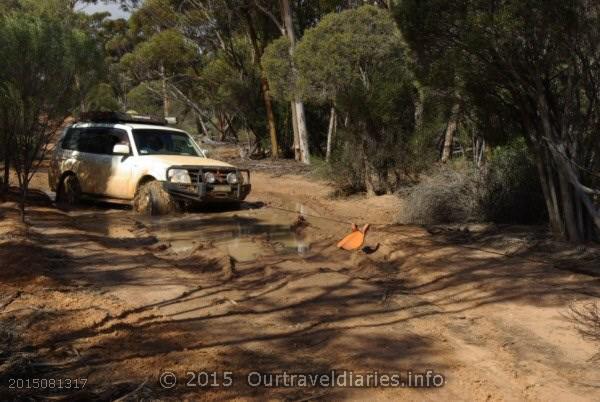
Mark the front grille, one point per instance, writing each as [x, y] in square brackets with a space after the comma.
[220, 175]
[195, 175]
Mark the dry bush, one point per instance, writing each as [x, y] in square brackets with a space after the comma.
[505, 190]
[586, 318]
[447, 195]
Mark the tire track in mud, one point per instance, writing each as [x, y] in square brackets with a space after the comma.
[399, 307]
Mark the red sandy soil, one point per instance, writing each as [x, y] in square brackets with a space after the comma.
[100, 293]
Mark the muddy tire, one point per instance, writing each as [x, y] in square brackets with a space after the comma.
[236, 205]
[152, 199]
[69, 191]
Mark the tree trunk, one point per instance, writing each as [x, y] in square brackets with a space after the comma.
[479, 146]
[24, 184]
[568, 209]
[548, 189]
[297, 153]
[286, 11]
[22, 203]
[450, 130]
[419, 106]
[221, 127]
[6, 182]
[574, 195]
[81, 99]
[571, 212]
[264, 86]
[331, 131]
[302, 133]
[270, 118]
[200, 126]
[370, 173]
[165, 93]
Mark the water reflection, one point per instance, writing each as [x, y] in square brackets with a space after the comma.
[244, 235]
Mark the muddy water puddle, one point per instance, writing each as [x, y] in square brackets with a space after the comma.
[244, 235]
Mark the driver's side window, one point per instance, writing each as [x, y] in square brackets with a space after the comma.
[96, 140]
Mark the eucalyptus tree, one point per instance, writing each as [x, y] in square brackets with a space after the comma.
[356, 59]
[528, 67]
[39, 59]
[160, 58]
[287, 28]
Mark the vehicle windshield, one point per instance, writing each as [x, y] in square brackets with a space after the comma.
[163, 142]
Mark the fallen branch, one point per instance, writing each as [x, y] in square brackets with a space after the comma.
[124, 397]
[10, 299]
[58, 364]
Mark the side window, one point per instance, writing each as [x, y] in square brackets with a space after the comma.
[117, 137]
[71, 139]
[97, 140]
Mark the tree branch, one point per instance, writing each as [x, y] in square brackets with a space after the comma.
[269, 14]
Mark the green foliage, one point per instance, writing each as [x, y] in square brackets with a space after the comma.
[526, 68]
[145, 99]
[343, 50]
[102, 98]
[40, 57]
[392, 78]
[277, 63]
[356, 59]
[166, 50]
[235, 88]
[152, 17]
[512, 188]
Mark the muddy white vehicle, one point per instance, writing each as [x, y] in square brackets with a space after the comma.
[142, 161]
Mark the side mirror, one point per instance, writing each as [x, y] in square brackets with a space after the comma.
[204, 152]
[121, 149]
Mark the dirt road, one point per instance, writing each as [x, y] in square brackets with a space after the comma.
[121, 301]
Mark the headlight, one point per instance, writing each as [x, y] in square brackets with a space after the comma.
[232, 178]
[210, 177]
[179, 176]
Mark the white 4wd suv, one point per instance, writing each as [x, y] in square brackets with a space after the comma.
[119, 157]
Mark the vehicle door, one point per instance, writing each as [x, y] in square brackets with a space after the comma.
[65, 157]
[100, 172]
[119, 183]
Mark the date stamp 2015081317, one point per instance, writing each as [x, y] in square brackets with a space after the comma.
[47, 383]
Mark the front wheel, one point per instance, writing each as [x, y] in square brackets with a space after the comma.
[69, 191]
[152, 199]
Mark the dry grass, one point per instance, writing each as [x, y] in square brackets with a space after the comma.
[446, 196]
[586, 318]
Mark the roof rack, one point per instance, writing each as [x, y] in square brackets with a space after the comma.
[118, 117]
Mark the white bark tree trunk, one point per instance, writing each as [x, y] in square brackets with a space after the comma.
[330, 132]
[286, 11]
[297, 153]
[302, 133]
[450, 130]
[165, 93]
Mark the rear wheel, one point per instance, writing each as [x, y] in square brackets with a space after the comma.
[69, 191]
[152, 199]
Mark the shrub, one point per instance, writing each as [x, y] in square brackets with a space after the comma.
[506, 190]
[346, 167]
[448, 194]
[513, 193]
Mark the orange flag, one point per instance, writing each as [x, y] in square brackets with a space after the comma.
[354, 240]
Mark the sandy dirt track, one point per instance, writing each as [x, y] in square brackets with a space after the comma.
[102, 294]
